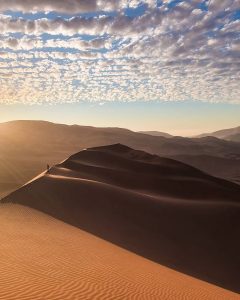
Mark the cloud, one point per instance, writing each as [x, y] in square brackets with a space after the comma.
[187, 50]
[120, 25]
[36, 43]
[70, 6]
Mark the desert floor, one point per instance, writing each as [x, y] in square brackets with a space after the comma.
[44, 258]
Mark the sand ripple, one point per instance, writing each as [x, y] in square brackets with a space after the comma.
[43, 258]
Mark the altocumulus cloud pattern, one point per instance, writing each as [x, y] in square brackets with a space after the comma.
[58, 51]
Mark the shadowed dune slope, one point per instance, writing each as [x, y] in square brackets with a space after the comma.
[226, 168]
[43, 258]
[159, 208]
[28, 146]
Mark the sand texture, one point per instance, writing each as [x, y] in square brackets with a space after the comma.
[43, 258]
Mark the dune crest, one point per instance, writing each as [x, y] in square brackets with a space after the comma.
[156, 207]
[28, 146]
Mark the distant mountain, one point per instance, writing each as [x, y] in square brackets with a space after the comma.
[157, 133]
[27, 147]
[234, 137]
[232, 134]
[156, 207]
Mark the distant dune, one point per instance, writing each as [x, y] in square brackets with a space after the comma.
[43, 258]
[28, 146]
[157, 133]
[232, 134]
[156, 207]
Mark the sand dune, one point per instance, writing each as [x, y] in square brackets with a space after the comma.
[231, 134]
[43, 258]
[159, 208]
[157, 133]
[223, 167]
[28, 146]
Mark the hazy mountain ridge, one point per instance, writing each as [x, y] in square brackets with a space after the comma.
[157, 133]
[232, 134]
[28, 146]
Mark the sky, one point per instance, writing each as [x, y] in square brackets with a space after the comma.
[177, 118]
[146, 65]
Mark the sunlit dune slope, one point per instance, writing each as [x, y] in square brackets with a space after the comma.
[159, 208]
[43, 258]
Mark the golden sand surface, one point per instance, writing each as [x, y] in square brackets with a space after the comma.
[44, 258]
